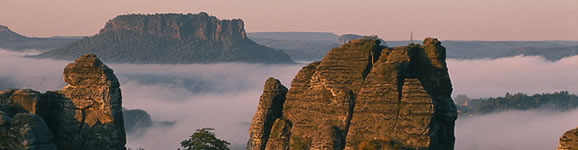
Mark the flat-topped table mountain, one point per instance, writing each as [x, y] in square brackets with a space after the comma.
[171, 39]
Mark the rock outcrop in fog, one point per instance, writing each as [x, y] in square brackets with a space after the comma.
[569, 140]
[85, 114]
[171, 39]
[362, 95]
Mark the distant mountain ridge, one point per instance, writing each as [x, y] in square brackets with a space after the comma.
[295, 36]
[317, 44]
[13, 41]
[303, 46]
[171, 39]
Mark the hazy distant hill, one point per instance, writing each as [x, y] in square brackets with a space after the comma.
[171, 39]
[295, 36]
[313, 46]
[302, 46]
[13, 41]
[551, 50]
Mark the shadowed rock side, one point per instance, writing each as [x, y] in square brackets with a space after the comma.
[85, 114]
[270, 108]
[569, 140]
[26, 132]
[365, 96]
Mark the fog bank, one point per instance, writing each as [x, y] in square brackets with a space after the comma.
[527, 130]
[225, 97]
[531, 75]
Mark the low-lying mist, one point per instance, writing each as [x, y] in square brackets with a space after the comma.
[527, 74]
[225, 97]
[527, 130]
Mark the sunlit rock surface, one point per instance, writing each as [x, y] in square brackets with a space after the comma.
[366, 96]
[85, 114]
[269, 109]
[569, 140]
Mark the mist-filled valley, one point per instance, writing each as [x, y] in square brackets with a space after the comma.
[225, 96]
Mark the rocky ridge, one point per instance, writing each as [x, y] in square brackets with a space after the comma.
[171, 39]
[362, 95]
[85, 114]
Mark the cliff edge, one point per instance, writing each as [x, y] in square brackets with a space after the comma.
[85, 114]
[171, 39]
[362, 95]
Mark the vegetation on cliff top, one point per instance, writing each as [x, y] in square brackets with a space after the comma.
[171, 39]
[204, 139]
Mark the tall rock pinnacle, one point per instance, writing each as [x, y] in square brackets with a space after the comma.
[366, 96]
[270, 108]
[86, 114]
[92, 109]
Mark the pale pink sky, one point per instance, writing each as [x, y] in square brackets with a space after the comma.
[389, 19]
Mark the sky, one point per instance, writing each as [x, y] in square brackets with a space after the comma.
[490, 20]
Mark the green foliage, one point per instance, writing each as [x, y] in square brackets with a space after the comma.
[204, 139]
[559, 101]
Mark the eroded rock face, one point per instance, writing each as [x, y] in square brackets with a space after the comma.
[16, 101]
[200, 26]
[364, 95]
[183, 38]
[85, 114]
[26, 132]
[269, 109]
[569, 140]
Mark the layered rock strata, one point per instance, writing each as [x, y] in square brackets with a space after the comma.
[363, 95]
[569, 140]
[269, 109]
[171, 39]
[85, 114]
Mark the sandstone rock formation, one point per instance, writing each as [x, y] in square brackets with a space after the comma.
[569, 140]
[25, 131]
[346, 38]
[171, 39]
[85, 114]
[364, 96]
[270, 108]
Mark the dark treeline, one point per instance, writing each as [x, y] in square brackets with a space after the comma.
[559, 101]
